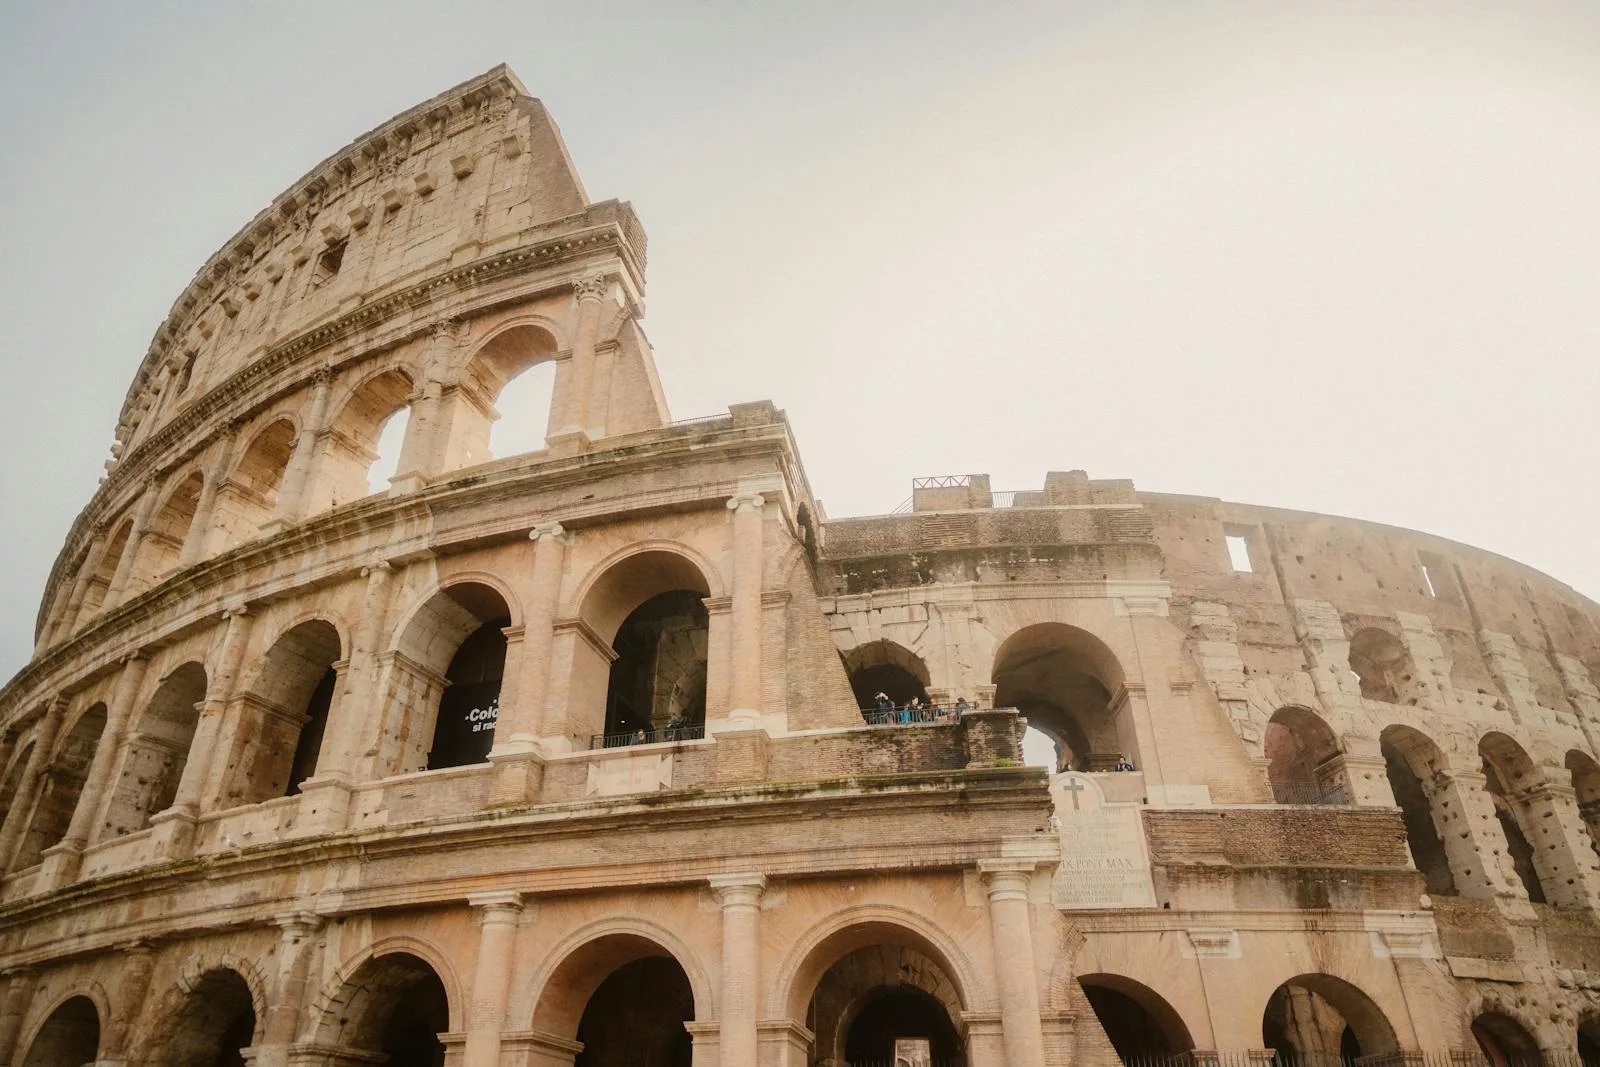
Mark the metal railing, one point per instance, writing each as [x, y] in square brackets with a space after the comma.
[909, 716]
[942, 481]
[1308, 793]
[665, 735]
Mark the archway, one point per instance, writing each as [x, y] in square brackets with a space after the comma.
[13, 779]
[1138, 1021]
[213, 1026]
[449, 673]
[363, 451]
[1317, 1018]
[1068, 684]
[1504, 1041]
[871, 987]
[1508, 772]
[885, 667]
[157, 750]
[649, 609]
[1411, 761]
[626, 998]
[250, 495]
[1304, 765]
[1589, 1039]
[70, 1036]
[393, 1005]
[169, 528]
[289, 698]
[515, 373]
[1380, 664]
[1585, 774]
[104, 571]
[58, 795]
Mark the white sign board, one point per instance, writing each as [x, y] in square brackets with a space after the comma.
[1104, 863]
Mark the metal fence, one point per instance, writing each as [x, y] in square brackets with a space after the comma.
[909, 716]
[1311, 793]
[664, 735]
[1269, 1058]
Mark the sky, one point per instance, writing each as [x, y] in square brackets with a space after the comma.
[1331, 257]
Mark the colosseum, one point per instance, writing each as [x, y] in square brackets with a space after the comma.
[621, 751]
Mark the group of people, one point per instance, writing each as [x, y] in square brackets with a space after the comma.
[885, 711]
[678, 728]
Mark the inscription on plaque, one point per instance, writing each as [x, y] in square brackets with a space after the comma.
[1103, 859]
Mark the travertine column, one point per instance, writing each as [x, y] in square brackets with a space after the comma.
[1464, 815]
[744, 677]
[1563, 857]
[418, 452]
[19, 994]
[174, 828]
[130, 551]
[62, 860]
[589, 294]
[521, 721]
[199, 539]
[740, 896]
[497, 917]
[1013, 960]
[292, 495]
[296, 945]
[133, 993]
[44, 743]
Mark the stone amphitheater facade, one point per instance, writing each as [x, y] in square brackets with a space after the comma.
[561, 757]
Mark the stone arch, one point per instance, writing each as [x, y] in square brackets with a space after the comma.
[594, 960]
[511, 353]
[170, 526]
[1504, 1039]
[1381, 665]
[211, 1015]
[642, 669]
[392, 1002]
[1585, 774]
[68, 1035]
[13, 777]
[1139, 1022]
[446, 673]
[157, 749]
[888, 667]
[63, 783]
[1510, 774]
[1412, 763]
[105, 564]
[1305, 764]
[1070, 686]
[1587, 1036]
[251, 494]
[1318, 1017]
[288, 700]
[350, 451]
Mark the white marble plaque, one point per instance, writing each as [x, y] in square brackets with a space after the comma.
[1104, 863]
[618, 776]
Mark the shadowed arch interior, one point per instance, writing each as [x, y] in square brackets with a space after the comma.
[1065, 681]
[454, 654]
[70, 1036]
[1508, 772]
[394, 1005]
[1504, 1041]
[626, 997]
[1137, 1020]
[105, 569]
[1412, 761]
[290, 698]
[157, 752]
[1303, 764]
[13, 779]
[513, 372]
[63, 783]
[214, 1023]
[251, 494]
[1319, 1018]
[1381, 665]
[169, 527]
[885, 667]
[1585, 774]
[352, 450]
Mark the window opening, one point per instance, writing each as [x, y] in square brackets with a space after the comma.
[1427, 580]
[390, 441]
[1239, 553]
[329, 262]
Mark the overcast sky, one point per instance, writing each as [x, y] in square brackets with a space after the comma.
[1335, 258]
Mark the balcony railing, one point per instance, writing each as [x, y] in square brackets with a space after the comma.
[659, 736]
[910, 715]
[1284, 792]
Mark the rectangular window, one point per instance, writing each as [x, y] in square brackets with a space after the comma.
[1427, 580]
[1438, 577]
[1239, 552]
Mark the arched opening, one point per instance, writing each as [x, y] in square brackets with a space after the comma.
[1317, 1018]
[63, 782]
[289, 700]
[1589, 1039]
[626, 998]
[1138, 1021]
[393, 1006]
[452, 662]
[364, 449]
[250, 495]
[1411, 762]
[505, 396]
[649, 609]
[105, 570]
[1504, 1041]
[1508, 772]
[1069, 686]
[1381, 665]
[13, 779]
[70, 1037]
[1304, 765]
[157, 750]
[876, 992]
[883, 667]
[163, 541]
[1586, 787]
[213, 1027]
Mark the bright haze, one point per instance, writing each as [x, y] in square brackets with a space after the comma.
[1335, 258]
